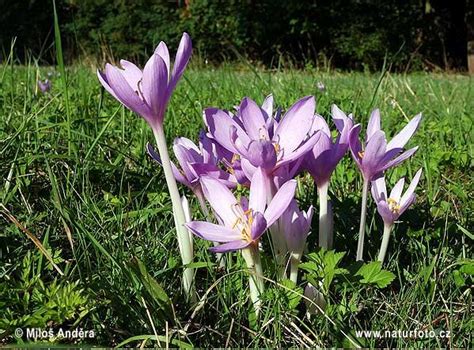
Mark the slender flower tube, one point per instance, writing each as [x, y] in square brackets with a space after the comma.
[147, 93]
[296, 226]
[243, 224]
[391, 207]
[377, 157]
[321, 162]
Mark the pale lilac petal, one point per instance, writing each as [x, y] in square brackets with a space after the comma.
[397, 190]
[230, 247]
[247, 168]
[280, 202]
[162, 51]
[259, 225]
[340, 119]
[105, 83]
[411, 189]
[181, 61]
[374, 124]
[354, 144]
[400, 140]
[320, 124]
[301, 151]
[373, 154]
[185, 158]
[399, 159]
[152, 153]
[409, 200]
[221, 199]
[125, 94]
[262, 154]
[258, 191]
[253, 119]
[220, 125]
[213, 232]
[387, 215]
[267, 106]
[131, 73]
[154, 84]
[379, 189]
[296, 124]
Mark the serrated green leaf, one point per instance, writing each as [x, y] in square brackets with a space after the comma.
[292, 292]
[372, 273]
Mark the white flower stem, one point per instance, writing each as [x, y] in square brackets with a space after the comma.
[184, 239]
[363, 214]
[278, 238]
[252, 258]
[325, 229]
[387, 228]
[294, 263]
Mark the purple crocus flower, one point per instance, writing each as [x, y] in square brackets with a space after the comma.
[195, 161]
[296, 226]
[243, 224]
[44, 86]
[379, 155]
[391, 207]
[321, 87]
[326, 154]
[148, 92]
[260, 141]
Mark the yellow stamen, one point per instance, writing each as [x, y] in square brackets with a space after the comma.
[393, 205]
[235, 158]
[277, 147]
[361, 154]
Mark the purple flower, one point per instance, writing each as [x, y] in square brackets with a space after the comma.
[44, 86]
[260, 140]
[195, 162]
[326, 154]
[390, 208]
[147, 92]
[378, 155]
[296, 225]
[243, 224]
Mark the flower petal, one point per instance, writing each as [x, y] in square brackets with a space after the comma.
[340, 119]
[397, 190]
[374, 124]
[267, 106]
[221, 199]
[131, 73]
[220, 125]
[213, 232]
[125, 94]
[400, 140]
[373, 154]
[230, 247]
[259, 225]
[411, 189]
[399, 159]
[253, 119]
[387, 215]
[354, 144]
[162, 51]
[154, 85]
[183, 55]
[379, 189]
[280, 202]
[296, 124]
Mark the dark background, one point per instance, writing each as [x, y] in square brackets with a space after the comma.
[351, 34]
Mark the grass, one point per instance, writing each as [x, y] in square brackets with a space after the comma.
[76, 176]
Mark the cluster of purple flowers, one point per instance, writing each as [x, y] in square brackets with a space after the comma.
[258, 148]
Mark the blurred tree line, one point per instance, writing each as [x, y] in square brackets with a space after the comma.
[346, 34]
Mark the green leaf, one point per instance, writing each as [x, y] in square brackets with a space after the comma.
[153, 288]
[372, 273]
[292, 292]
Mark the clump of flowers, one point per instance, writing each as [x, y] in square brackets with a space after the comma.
[259, 151]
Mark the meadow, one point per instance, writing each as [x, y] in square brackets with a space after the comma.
[76, 176]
